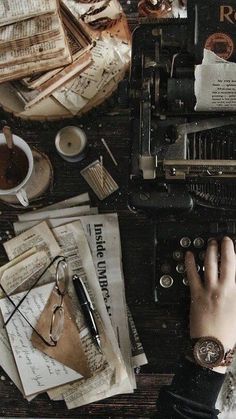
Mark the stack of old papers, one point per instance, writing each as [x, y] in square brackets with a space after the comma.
[100, 44]
[32, 38]
[88, 240]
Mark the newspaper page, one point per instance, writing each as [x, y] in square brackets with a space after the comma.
[113, 375]
[215, 85]
[111, 279]
[15, 10]
[102, 232]
[138, 355]
[39, 236]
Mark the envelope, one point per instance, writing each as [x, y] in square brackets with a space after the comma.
[69, 350]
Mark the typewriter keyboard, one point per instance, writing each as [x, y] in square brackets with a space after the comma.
[171, 283]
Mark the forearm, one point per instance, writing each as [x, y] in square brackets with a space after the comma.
[192, 394]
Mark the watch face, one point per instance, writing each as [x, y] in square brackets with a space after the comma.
[209, 352]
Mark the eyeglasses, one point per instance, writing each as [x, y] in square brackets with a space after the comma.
[57, 318]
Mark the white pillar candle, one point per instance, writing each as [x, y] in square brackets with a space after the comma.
[71, 143]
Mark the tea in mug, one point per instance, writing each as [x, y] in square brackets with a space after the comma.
[14, 166]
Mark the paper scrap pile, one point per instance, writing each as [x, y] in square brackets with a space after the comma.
[72, 53]
[89, 241]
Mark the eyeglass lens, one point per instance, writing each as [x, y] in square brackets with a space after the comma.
[62, 277]
[57, 324]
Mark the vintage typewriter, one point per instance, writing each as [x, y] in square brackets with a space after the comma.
[183, 163]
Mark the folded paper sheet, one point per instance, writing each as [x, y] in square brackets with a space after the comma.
[215, 84]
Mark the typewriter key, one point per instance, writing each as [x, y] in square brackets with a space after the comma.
[180, 268]
[198, 242]
[178, 255]
[185, 282]
[165, 268]
[166, 281]
[185, 242]
[198, 268]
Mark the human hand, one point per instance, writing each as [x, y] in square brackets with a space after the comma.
[213, 300]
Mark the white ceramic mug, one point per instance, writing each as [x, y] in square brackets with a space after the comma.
[19, 190]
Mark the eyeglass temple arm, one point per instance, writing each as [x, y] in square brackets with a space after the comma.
[12, 302]
[32, 286]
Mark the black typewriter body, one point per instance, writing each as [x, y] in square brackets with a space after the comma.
[183, 163]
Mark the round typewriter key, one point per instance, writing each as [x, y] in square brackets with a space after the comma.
[180, 268]
[198, 242]
[198, 268]
[166, 281]
[185, 242]
[165, 268]
[178, 255]
[185, 282]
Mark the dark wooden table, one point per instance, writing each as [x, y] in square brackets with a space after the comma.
[162, 329]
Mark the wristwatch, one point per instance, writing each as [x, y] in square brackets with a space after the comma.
[209, 352]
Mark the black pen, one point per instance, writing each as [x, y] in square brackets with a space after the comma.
[87, 308]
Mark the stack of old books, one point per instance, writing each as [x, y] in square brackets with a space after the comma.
[32, 38]
[74, 370]
[46, 50]
[61, 57]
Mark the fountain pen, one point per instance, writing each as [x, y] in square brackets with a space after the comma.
[87, 308]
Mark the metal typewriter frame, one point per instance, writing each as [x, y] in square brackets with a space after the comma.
[175, 182]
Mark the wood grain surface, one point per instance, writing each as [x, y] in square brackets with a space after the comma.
[162, 329]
